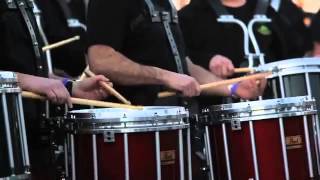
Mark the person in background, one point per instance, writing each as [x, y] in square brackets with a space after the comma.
[315, 29]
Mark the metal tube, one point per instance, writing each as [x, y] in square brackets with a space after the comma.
[308, 147]
[308, 85]
[94, 156]
[254, 151]
[126, 156]
[315, 136]
[260, 19]
[318, 137]
[283, 94]
[284, 149]
[158, 158]
[73, 161]
[189, 154]
[24, 134]
[8, 132]
[226, 150]
[208, 152]
[66, 164]
[181, 158]
[37, 13]
[232, 19]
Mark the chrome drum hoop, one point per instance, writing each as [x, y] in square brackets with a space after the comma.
[292, 66]
[8, 80]
[17, 177]
[117, 120]
[265, 109]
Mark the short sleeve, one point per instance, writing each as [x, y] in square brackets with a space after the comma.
[107, 22]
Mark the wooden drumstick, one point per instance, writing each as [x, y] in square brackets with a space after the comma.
[220, 83]
[83, 76]
[244, 70]
[108, 88]
[87, 102]
[60, 43]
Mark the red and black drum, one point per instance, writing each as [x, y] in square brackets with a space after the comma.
[123, 144]
[14, 156]
[268, 140]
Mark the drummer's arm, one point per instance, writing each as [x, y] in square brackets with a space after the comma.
[103, 59]
[204, 77]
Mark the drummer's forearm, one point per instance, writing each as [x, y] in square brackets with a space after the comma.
[120, 69]
[204, 77]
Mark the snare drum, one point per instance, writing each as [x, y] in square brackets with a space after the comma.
[267, 140]
[14, 156]
[118, 144]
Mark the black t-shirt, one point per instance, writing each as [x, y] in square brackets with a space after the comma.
[70, 57]
[206, 37]
[125, 26]
[17, 54]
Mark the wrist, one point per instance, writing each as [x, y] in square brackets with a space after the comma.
[68, 84]
[233, 90]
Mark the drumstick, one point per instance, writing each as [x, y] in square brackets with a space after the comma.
[243, 70]
[83, 76]
[60, 43]
[220, 83]
[87, 102]
[108, 88]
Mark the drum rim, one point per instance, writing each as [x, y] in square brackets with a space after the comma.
[7, 77]
[295, 62]
[271, 103]
[25, 176]
[126, 115]
[268, 116]
[274, 108]
[129, 129]
[173, 116]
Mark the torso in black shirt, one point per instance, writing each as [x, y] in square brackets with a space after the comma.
[17, 54]
[205, 37]
[115, 23]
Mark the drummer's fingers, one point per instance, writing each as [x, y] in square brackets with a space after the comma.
[52, 96]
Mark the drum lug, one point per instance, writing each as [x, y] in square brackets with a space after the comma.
[108, 137]
[236, 124]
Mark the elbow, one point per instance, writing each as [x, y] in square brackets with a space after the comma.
[98, 57]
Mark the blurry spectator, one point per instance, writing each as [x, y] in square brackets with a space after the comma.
[315, 29]
[299, 38]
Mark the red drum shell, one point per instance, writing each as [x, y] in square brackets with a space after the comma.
[142, 156]
[268, 148]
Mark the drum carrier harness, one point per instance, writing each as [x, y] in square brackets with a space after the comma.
[166, 18]
[25, 8]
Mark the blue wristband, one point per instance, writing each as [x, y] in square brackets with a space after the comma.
[233, 90]
[65, 81]
[68, 84]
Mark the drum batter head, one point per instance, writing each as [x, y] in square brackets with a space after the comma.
[127, 120]
[265, 109]
[8, 80]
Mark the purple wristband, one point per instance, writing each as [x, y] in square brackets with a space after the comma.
[234, 88]
[65, 81]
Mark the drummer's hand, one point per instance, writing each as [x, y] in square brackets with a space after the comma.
[90, 89]
[185, 84]
[53, 89]
[221, 66]
[251, 89]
